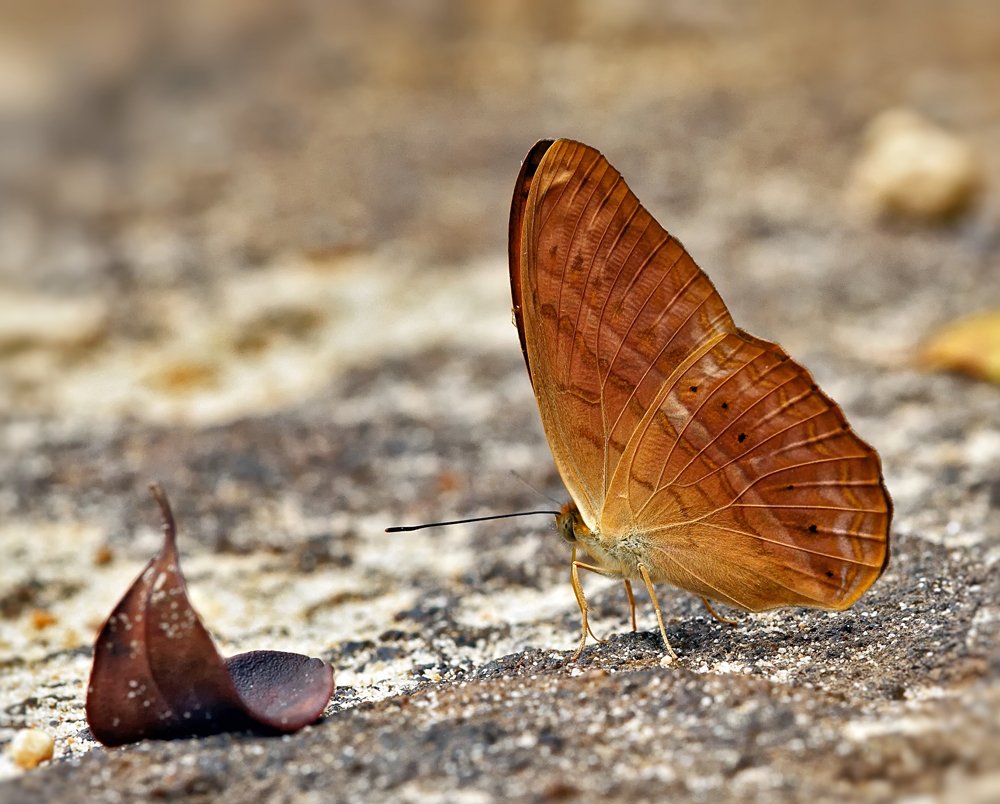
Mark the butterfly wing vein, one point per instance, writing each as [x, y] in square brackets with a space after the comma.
[672, 428]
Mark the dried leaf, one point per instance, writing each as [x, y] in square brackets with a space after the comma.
[971, 346]
[157, 673]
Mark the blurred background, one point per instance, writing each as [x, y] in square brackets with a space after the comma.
[208, 210]
[257, 250]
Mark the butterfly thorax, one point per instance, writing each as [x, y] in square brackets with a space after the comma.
[617, 557]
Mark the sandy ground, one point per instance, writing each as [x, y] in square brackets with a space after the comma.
[258, 254]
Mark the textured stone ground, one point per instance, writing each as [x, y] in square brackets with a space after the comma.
[259, 255]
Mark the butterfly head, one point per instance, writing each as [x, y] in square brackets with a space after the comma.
[570, 524]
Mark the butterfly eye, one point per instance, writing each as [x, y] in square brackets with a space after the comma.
[567, 531]
[566, 524]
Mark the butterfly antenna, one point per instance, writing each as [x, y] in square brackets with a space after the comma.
[537, 491]
[404, 528]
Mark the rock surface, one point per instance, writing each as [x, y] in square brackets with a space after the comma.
[270, 244]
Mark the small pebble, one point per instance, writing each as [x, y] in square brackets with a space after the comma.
[31, 747]
[41, 619]
[913, 168]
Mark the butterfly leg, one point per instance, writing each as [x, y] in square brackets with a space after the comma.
[631, 601]
[656, 607]
[581, 601]
[716, 615]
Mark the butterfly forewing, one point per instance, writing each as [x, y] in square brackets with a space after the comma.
[666, 420]
[600, 283]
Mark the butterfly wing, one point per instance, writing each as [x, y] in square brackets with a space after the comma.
[741, 477]
[607, 304]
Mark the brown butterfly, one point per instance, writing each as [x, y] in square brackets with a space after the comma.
[695, 453]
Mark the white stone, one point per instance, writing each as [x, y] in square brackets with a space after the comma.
[31, 747]
[913, 168]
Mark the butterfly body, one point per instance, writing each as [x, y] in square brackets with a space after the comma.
[617, 556]
[695, 453]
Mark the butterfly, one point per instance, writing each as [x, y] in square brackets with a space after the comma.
[695, 454]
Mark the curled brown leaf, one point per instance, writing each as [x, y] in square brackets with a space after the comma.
[158, 675]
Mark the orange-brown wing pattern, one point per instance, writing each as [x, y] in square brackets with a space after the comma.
[608, 305]
[666, 420]
[748, 477]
